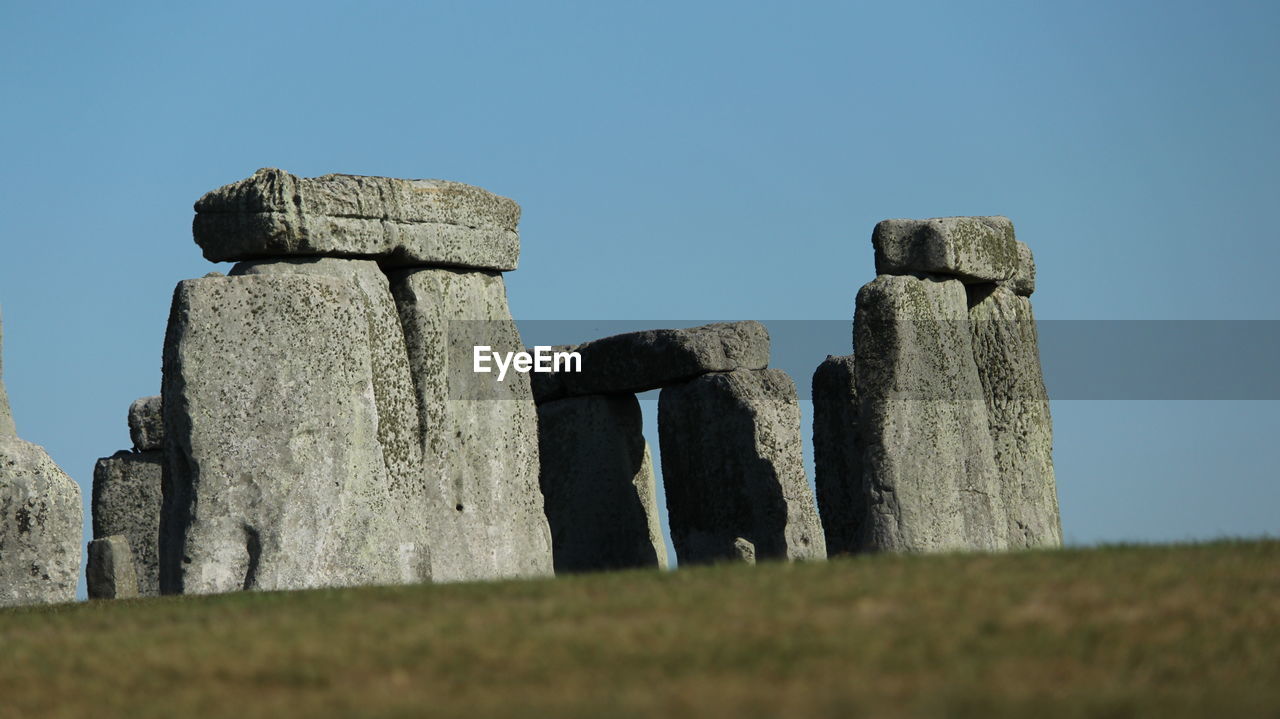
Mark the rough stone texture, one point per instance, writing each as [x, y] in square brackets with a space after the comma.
[928, 459]
[399, 222]
[837, 456]
[732, 468]
[276, 476]
[146, 424]
[974, 249]
[110, 571]
[1024, 280]
[1006, 347]
[479, 436]
[40, 527]
[7, 428]
[393, 390]
[640, 361]
[598, 484]
[127, 497]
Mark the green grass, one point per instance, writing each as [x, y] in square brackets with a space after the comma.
[1113, 632]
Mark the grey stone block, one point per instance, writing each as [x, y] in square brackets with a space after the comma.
[276, 476]
[7, 428]
[274, 214]
[974, 249]
[837, 456]
[41, 529]
[928, 460]
[110, 570]
[733, 471]
[393, 389]
[127, 496]
[1006, 347]
[146, 424]
[1024, 280]
[640, 361]
[479, 436]
[598, 484]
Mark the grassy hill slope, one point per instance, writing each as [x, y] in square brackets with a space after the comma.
[1150, 631]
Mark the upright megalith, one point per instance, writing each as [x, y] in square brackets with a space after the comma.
[598, 484]
[274, 214]
[928, 460]
[1006, 348]
[837, 456]
[110, 572]
[479, 435]
[640, 361]
[277, 479]
[127, 496]
[733, 470]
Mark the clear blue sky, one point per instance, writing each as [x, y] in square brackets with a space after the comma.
[674, 160]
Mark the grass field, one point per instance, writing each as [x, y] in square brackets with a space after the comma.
[1113, 632]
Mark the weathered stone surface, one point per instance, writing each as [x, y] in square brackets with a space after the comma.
[146, 424]
[640, 361]
[598, 484]
[479, 436]
[400, 222]
[6, 414]
[837, 456]
[928, 461]
[276, 476]
[393, 390]
[1006, 347]
[126, 501]
[974, 249]
[40, 527]
[732, 468]
[110, 571]
[1024, 280]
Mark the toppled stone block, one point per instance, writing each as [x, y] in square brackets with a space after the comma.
[732, 468]
[928, 461]
[127, 497]
[640, 361]
[275, 214]
[110, 571]
[973, 249]
[146, 424]
[7, 428]
[393, 389]
[1006, 348]
[837, 456]
[40, 527]
[598, 484]
[479, 435]
[271, 423]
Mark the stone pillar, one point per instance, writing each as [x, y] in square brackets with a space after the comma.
[479, 435]
[110, 570]
[127, 496]
[837, 456]
[598, 484]
[733, 470]
[277, 477]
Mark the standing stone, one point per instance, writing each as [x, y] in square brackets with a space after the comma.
[127, 497]
[732, 467]
[479, 435]
[146, 424]
[598, 484]
[397, 222]
[640, 361]
[398, 423]
[928, 460]
[276, 476]
[7, 428]
[40, 527]
[1006, 348]
[110, 571]
[974, 249]
[837, 456]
